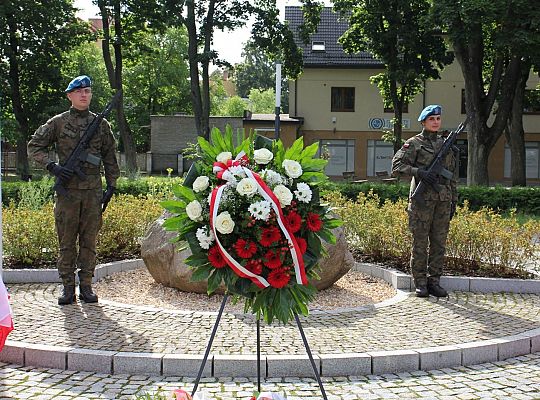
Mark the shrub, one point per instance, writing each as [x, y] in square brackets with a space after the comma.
[30, 237]
[479, 242]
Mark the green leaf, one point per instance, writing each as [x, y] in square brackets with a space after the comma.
[174, 206]
[333, 223]
[314, 165]
[218, 140]
[314, 244]
[201, 273]
[294, 152]
[263, 141]
[314, 177]
[327, 236]
[209, 151]
[310, 151]
[183, 192]
[214, 281]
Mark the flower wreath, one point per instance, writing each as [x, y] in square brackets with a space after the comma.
[252, 217]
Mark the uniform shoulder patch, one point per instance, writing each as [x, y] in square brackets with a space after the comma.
[406, 145]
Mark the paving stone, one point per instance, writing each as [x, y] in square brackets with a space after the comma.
[13, 352]
[134, 363]
[384, 362]
[439, 357]
[40, 355]
[479, 352]
[287, 365]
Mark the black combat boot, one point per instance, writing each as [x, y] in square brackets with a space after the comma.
[86, 294]
[422, 291]
[67, 296]
[436, 290]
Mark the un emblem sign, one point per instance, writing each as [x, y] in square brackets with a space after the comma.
[376, 123]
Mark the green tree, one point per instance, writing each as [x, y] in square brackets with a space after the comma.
[257, 71]
[493, 41]
[262, 101]
[156, 80]
[398, 33]
[33, 41]
[233, 106]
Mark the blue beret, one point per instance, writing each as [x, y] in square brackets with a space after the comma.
[79, 82]
[432, 109]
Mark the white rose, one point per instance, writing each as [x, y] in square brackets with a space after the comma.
[263, 156]
[284, 195]
[194, 211]
[201, 183]
[292, 168]
[224, 157]
[224, 223]
[247, 187]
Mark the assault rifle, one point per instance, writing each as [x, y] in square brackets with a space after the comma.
[80, 154]
[436, 165]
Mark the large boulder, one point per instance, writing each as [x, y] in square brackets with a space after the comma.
[165, 262]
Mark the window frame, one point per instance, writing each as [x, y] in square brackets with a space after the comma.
[339, 94]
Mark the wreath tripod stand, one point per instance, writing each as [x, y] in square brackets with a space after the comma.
[213, 334]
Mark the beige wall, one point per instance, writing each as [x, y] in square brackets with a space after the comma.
[310, 99]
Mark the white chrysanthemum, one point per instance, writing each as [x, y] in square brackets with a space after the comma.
[205, 237]
[194, 211]
[260, 210]
[292, 168]
[271, 177]
[303, 192]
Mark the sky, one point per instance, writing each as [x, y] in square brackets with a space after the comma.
[228, 44]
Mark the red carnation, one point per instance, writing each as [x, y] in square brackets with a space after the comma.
[272, 259]
[294, 221]
[254, 266]
[245, 248]
[278, 278]
[216, 258]
[302, 244]
[270, 235]
[314, 222]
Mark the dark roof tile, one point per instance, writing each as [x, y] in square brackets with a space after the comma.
[329, 30]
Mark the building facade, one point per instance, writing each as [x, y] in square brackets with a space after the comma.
[343, 111]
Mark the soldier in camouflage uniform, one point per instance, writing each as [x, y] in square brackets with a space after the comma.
[429, 221]
[77, 214]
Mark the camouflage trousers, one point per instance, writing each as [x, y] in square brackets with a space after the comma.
[77, 219]
[429, 224]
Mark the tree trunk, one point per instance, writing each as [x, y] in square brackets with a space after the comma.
[114, 73]
[23, 168]
[397, 103]
[515, 135]
[478, 154]
[193, 57]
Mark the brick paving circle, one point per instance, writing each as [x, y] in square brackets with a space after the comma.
[408, 324]
[517, 378]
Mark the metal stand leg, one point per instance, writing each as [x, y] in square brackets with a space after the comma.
[258, 355]
[209, 346]
[306, 345]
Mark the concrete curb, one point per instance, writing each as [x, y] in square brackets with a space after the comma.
[273, 366]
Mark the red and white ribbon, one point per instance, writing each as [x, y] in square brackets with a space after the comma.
[268, 195]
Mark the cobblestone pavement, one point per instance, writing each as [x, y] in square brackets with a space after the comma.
[517, 378]
[408, 324]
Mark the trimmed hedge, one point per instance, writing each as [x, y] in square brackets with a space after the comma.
[502, 199]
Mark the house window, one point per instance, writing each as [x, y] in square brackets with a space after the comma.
[405, 109]
[341, 153]
[463, 108]
[318, 46]
[342, 99]
[531, 101]
[532, 160]
[379, 157]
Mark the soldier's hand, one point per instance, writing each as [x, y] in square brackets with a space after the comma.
[63, 173]
[452, 209]
[107, 195]
[428, 177]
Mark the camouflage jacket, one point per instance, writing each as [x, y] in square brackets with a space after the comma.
[63, 131]
[418, 152]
